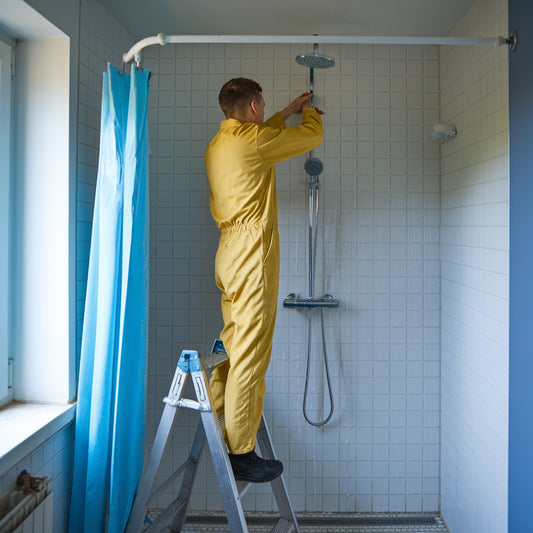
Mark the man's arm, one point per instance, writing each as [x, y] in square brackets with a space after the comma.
[277, 142]
[297, 106]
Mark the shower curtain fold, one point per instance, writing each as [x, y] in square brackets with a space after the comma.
[110, 420]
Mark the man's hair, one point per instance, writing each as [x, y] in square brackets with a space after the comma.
[237, 94]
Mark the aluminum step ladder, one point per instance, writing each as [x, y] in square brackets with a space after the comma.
[209, 429]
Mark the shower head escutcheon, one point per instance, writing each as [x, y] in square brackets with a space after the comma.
[313, 166]
[314, 59]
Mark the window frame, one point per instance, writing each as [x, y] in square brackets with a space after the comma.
[6, 113]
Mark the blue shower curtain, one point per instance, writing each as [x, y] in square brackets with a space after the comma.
[110, 417]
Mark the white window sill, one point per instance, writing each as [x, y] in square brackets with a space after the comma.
[26, 426]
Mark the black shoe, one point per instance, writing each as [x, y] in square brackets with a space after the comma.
[250, 467]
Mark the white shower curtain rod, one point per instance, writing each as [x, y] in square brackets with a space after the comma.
[162, 39]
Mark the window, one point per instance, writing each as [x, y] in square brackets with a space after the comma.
[40, 310]
[37, 209]
[38, 203]
[5, 192]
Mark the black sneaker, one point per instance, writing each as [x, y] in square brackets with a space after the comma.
[250, 467]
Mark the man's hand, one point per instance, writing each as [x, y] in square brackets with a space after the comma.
[297, 105]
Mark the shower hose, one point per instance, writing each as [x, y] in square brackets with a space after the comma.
[307, 372]
[314, 186]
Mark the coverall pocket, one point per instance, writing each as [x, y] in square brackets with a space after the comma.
[268, 241]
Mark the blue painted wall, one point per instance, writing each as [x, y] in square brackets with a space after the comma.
[521, 269]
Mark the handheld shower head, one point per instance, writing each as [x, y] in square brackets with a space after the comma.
[314, 59]
[313, 166]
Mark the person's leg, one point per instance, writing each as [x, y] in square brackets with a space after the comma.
[247, 273]
[255, 265]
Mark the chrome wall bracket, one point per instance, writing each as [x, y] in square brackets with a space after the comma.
[511, 41]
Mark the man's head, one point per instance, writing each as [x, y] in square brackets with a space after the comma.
[242, 99]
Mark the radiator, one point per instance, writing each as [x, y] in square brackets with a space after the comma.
[27, 513]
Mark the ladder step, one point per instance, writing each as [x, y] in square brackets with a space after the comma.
[242, 487]
[211, 361]
[282, 526]
[161, 523]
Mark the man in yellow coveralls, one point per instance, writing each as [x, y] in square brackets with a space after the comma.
[240, 163]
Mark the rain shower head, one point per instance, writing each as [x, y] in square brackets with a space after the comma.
[314, 59]
[313, 166]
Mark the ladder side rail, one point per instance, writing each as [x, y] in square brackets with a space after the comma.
[161, 488]
[224, 473]
[162, 436]
[138, 512]
[221, 462]
[189, 476]
[278, 485]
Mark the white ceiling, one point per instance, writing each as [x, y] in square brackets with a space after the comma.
[144, 18]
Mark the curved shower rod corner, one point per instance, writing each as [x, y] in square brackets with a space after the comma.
[162, 39]
[135, 51]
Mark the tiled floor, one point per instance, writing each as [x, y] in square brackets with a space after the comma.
[327, 523]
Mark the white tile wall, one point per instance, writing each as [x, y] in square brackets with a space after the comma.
[475, 277]
[102, 40]
[378, 253]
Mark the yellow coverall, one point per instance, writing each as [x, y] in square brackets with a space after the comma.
[240, 163]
